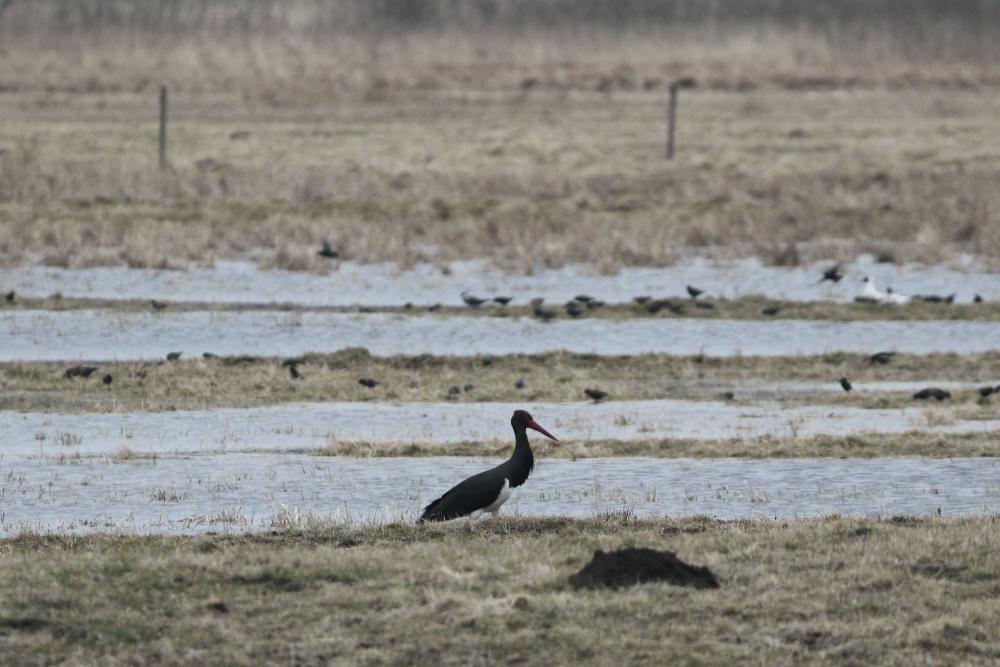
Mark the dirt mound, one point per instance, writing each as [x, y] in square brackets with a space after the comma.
[627, 567]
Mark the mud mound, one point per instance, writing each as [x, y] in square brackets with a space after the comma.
[627, 567]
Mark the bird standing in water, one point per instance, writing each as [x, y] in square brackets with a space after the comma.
[489, 490]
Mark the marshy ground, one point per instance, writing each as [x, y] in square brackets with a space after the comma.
[529, 136]
[246, 381]
[889, 591]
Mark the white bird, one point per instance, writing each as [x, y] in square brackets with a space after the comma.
[896, 298]
[870, 292]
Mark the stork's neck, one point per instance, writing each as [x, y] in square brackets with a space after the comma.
[522, 461]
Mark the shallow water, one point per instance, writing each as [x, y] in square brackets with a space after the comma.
[380, 284]
[244, 492]
[97, 334]
[316, 425]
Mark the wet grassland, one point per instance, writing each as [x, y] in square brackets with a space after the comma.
[854, 591]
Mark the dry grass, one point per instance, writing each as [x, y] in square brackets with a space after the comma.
[847, 591]
[253, 381]
[533, 148]
[746, 308]
[916, 443]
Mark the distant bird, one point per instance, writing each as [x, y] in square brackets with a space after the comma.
[977, 299]
[595, 394]
[468, 387]
[932, 392]
[454, 390]
[544, 314]
[328, 251]
[881, 357]
[871, 293]
[594, 303]
[503, 300]
[157, 305]
[895, 298]
[832, 274]
[771, 311]
[728, 395]
[209, 355]
[368, 382]
[293, 371]
[10, 296]
[434, 307]
[846, 384]
[107, 379]
[520, 383]
[936, 298]
[173, 356]
[472, 301]
[694, 291]
[488, 360]
[583, 298]
[645, 298]
[573, 309]
[79, 371]
[986, 391]
[656, 306]
[489, 490]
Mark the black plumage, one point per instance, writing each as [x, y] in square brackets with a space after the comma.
[488, 490]
[107, 379]
[595, 394]
[986, 391]
[368, 382]
[503, 300]
[293, 372]
[79, 371]
[932, 392]
[832, 274]
[328, 251]
[771, 311]
[694, 291]
[173, 356]
[881, 357]
[846, 384]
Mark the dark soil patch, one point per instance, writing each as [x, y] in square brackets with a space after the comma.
[630, 566]
[24, 624]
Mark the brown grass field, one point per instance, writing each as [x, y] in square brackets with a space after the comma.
[239, 382]
[529, 133]
[745, 308]
[894, 591]
[533, 136]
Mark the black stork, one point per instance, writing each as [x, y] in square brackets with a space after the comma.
[490, 489]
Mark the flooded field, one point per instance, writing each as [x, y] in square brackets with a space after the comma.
[317, 425]
[262, 491]
[386, 285]
[99, 335]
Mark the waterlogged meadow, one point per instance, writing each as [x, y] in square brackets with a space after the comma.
[232, 374]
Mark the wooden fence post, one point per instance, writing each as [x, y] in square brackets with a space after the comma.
[163, 128]
[675, 86]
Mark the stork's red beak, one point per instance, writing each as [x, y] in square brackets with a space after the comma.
[534, 425]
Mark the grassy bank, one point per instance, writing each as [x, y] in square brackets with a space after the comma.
[255, 381]
[823, 446]
[893, 591]
[746, 308]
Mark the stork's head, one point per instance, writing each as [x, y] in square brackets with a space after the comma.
[523, 420]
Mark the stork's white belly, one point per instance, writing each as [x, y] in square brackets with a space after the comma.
[494, 507]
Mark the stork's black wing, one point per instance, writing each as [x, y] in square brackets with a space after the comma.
[466, 497]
